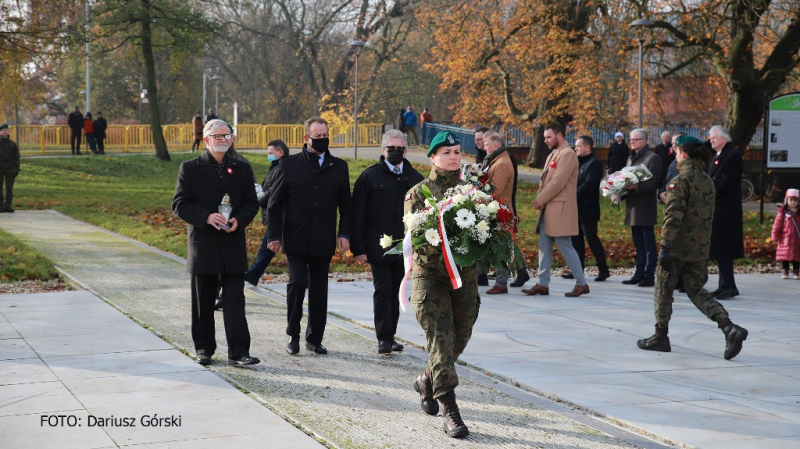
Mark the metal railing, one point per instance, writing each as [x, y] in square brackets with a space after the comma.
[55, 139]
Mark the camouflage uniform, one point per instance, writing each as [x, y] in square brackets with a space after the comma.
[446, 315]
[687, 232]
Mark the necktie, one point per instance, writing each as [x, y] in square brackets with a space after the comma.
[396, 170]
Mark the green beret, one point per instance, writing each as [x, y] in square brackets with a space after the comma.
[3, 126]
[443, 139]
[687, 140]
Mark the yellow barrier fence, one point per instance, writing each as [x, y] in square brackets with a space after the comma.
[47, 139]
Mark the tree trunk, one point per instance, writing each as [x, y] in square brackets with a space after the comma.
[152, 89]
[539, 150]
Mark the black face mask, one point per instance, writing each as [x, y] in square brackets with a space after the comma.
[394, 157]
[320, 145]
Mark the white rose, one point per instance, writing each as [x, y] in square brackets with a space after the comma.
[410, 221]
[493, 207]
[482, 226]
[432, 236]
[474, 179]
[386, 241]
[480, 173]
[459, 198]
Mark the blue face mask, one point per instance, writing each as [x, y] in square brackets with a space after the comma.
[272, 158]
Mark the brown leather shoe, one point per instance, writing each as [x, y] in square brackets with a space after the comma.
[537, 290]
[453, 424]
[496, 290]
[578, 290]
[423, 386]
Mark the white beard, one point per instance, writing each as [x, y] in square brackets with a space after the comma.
[219, 148]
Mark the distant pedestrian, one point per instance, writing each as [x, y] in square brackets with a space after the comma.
[378, 197]
[100, 127]
[401, 121]
[685, 238]
[88, 133]
[480, 151]
[211, 115]
[197, 130]
[75, 122]
[276, 149]
[9, 168]
[426, 117]
[618, 153]
[786, 233]
[410, 119]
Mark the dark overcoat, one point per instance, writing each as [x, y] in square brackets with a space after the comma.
[198, 193]
[266, 185]
[617, 156]
[303, 201]
[641, 204]
[590, 173]
[100, 126]
[378, 197]
[727, 234]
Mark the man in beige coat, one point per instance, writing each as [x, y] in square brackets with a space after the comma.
[558, 198]
[500, 174]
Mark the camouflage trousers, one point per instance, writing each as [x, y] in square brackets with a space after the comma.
[695, 275]
[447, 317]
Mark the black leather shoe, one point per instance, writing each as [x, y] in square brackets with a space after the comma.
[716, 292]
[294, 346]
[385, 347]
[604, 274]
[397, 346]
[632, 281]
[218, 304]
[646, 282]
[657, 342]
[244, 361]
[483, 280]
[521, 279]
[727, 294]
[9, 209]
[203, 359]
[318, 349]
[568, 276]
[734, 336]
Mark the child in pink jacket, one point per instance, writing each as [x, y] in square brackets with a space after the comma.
[786, 233]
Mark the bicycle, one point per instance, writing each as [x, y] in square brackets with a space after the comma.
[748, 190]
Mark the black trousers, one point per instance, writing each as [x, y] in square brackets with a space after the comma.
[7, 178]
[75, 141]
[196, 144]
[204, 293]
[386, 278]
[307, 272]
[588, 230]
[101, 144]
[726, 281]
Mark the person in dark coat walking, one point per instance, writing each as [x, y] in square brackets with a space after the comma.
[378, 197]
[197, 130]
[75, 122]
[100, 127]
[217, 255]
[276, 149]
[641, 210]
[590, 173]
[308, 190]
[618, 153]
[727, 230]
[9, 168]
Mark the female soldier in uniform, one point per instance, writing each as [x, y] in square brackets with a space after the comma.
[685, 240]
[446, 315]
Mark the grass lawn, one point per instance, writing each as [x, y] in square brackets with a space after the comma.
[132, 195]
[19, 262]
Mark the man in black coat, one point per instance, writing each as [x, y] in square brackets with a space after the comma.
[217, 255]
[75, 122]
[590, 173]
[100, 126]
[665, 152]
[618, 153]
[308, 189]
[378, 197]
[727, 229]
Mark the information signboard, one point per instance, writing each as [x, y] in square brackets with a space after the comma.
[783, 132]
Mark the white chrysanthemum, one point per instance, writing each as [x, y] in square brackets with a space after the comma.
[481, 210]
[411, 221]
[480, 173]
[465, 218]
[493, 207]
[459, 198]
[386, 241]
[487, 187]
[482, 226]
[432, 236]
[474, 179]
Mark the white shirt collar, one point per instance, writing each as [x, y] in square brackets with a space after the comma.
[391, 167]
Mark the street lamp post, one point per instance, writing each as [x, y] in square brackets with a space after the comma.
[216, 79]
[357, 47]
[88, 65]
[212, 78]
[640, 26]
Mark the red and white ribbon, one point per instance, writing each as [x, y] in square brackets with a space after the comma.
[408, 263]
[449, 263]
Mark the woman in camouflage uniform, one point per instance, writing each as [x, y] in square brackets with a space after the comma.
[685, 240]
[446, 315]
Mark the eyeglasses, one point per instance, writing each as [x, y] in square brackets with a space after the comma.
[395, 148]
[221, 136]
[638, 138]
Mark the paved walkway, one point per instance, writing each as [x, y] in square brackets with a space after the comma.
[71, 354]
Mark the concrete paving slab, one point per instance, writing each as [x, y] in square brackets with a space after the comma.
[139, 363]
[25, 371]
[15, 348]
[36, 398]
[24, 431]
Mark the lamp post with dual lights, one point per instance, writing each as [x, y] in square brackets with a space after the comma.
[357, 47]
[212, 78]
[640, 26]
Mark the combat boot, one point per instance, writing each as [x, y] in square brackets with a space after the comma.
[734, 336]
[658, 342]
[453, 425]
[423, 386]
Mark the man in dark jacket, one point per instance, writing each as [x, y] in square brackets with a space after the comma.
[9, 168]
[217, 248]
[480, 151]
[665, 152]
[641, 210]
[618, 153]
[100, 126]
[308, 189]
[276, 149]
[590, 172]
[75, 122]
[727, 229]
[378, 197]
